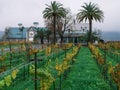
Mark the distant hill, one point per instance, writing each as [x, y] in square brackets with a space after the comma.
[111, 35]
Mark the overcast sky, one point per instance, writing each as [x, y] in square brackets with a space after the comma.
[26, 12]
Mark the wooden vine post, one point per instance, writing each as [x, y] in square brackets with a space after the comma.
[35, 63]
[10, 53]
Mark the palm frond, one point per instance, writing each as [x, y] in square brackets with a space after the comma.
[90, 11]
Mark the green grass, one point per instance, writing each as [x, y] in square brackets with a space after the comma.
[85, 74]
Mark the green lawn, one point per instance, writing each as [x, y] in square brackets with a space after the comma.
[85, 74]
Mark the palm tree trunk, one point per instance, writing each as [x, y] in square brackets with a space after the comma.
[54, 29]
[48, 40]
[42, 42]
[90, 31]
[61, 39]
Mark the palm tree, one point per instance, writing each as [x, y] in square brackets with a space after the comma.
[90, 12]
[54, 11]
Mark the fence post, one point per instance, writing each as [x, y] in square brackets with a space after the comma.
[35, 59]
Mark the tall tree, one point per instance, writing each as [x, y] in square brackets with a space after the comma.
[7, 33]
[90, 12]
[64, 23]
[54, 11]
[40, 35]
[49, 24]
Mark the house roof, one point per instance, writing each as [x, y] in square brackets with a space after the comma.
[77, 28]
[37, 29]
[16, 33]
[80, 26]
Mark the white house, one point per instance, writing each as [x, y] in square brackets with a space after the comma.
[74, 31]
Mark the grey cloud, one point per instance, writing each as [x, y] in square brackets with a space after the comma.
[27, 11]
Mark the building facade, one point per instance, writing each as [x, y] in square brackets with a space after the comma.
[73, 33]
[27, 34]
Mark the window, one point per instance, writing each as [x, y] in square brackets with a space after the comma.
[31, 34]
